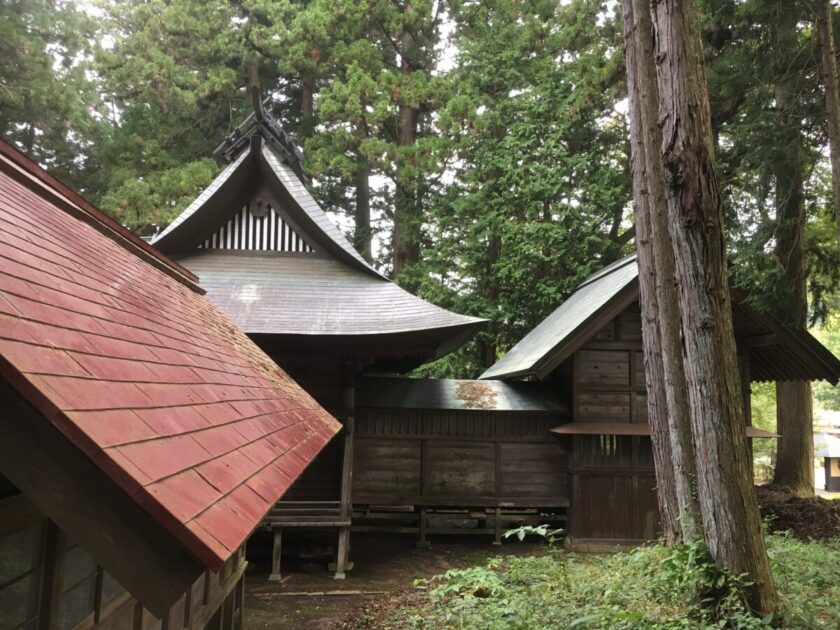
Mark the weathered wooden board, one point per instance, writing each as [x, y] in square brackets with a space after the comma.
[607, 333]
[533, 470]
[638, 369]
[630, 326]
[603, 367]
[640, 410]
[387, 468]
[458, 469]
[620, 506]
[469, 458]
[603, 406]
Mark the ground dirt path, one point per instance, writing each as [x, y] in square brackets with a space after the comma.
[382, 578]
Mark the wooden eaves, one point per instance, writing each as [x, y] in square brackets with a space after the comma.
[630, 428]
[776, 352]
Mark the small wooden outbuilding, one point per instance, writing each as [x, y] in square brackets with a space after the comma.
[142, 436]
[590, 351]
[828, 448]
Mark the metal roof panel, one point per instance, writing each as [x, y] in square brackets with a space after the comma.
[410, 393]
[585, 303]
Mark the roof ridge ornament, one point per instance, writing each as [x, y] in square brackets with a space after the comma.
[261, 124]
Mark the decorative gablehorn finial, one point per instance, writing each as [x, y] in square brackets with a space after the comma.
[257, 128]
[257, 103]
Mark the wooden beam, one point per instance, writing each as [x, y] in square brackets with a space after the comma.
[88, 505]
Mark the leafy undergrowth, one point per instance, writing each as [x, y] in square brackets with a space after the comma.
[650, 587]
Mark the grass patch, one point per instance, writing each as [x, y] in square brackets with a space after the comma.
[650, 587]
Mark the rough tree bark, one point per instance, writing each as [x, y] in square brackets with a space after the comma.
[668, 407]
[729, 510]
[487, 344]
[362, 232]
[828, 68]
[666, 490]
[407, 213]
[795, 449]
[794, 419]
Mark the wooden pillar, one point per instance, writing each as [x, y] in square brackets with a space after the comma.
[186, 622]
[497, 535]
[276, 556]
[826, 471]
[229, 610]
[423, 542]
[54, 545]
[215, 622]
[239, 620]
[746, 395]
[343, 553]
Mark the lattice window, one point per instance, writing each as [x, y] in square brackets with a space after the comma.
[21, 571]
[604, 451]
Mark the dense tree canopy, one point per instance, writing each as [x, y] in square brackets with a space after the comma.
[475, 150]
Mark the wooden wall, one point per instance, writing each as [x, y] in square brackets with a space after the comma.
[832, 474]
[613, 487]
[458, 458]
[609, 374]
[330, 383]
[49, 582]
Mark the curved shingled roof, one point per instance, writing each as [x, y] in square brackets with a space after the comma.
[331, 291]
[310, 294]
[777, 353]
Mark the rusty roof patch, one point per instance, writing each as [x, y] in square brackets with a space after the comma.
[476, 395]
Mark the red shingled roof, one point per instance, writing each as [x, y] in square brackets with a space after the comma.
[121, 352]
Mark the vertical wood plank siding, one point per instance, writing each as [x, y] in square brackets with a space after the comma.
[613, 490]
[269, 233]
[459, 458]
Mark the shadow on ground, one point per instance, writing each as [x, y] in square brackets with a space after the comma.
[385, 567]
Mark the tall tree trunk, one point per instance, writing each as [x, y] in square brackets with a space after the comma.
[668, 406]
[362, 232]
[794, 421]
[307, 104]
[407, 213]
[487, 346]
[828, 67]
[729, 510]
[795, 448]
[666, 486]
